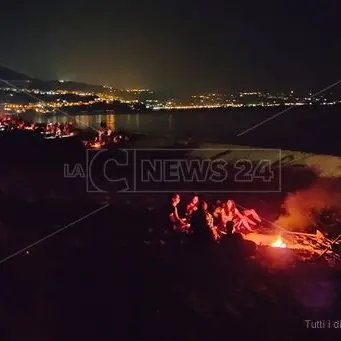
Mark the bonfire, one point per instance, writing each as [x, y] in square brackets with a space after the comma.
[278, 243]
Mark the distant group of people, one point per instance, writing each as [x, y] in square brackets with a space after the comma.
[224, 218]
[9, 122]
[107, 136]
[104, 136]
[55, 129]
[59, 129]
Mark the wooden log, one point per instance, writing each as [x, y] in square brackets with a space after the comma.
[324, 244]
[318, 234]
[301, 234]
[332, 243]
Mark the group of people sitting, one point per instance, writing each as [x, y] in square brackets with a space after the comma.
[224, 218]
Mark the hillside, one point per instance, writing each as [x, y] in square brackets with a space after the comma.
[70, 85]
[8, 74]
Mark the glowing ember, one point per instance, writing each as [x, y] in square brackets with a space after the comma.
[97, 145]
[278, 243]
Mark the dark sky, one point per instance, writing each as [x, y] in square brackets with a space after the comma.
[184, 45]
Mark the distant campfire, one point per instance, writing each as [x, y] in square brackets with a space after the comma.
[96, 145]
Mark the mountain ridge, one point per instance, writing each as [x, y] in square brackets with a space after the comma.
[11, 75]
[7, 75]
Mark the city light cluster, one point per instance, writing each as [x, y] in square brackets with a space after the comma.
[50, 92]
[134, 98]
[45, 107]
[185, 107]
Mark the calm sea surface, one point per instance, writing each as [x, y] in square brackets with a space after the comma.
[314, 129]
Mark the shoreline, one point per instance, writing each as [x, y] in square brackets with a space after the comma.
[224, 127]
[182, 109]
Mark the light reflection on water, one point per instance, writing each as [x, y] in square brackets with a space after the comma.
[202, 125]
[205, 125]
[224, 126]
[147, 123]
[82, 121]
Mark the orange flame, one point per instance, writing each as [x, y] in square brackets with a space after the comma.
[278, 243]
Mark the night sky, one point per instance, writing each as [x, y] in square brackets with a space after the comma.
[187, 46]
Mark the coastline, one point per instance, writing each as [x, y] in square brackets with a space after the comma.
[184, 109]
